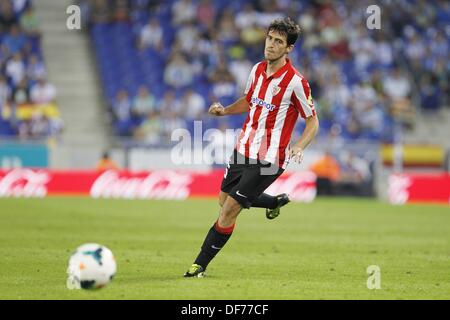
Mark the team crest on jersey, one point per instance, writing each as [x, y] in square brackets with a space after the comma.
[275, 90]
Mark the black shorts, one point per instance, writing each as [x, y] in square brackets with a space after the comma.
[245, 179]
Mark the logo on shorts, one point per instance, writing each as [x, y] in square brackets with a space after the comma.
[239, 194]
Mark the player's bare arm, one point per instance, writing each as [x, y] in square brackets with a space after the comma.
[238, 107]
[311, 128]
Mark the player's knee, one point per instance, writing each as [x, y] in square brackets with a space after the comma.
[230, 209]
[222, 197]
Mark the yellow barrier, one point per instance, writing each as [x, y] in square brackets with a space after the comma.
[415, 155]
[27, 111]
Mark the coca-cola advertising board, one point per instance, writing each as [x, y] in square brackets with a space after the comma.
[404, 188]
[160, 184]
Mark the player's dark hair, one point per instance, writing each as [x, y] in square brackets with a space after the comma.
[286, 27]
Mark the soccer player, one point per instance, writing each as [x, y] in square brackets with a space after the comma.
[276, 93]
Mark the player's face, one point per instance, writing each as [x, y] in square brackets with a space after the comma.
[276, 46]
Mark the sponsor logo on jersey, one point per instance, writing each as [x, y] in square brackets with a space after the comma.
[259, 102]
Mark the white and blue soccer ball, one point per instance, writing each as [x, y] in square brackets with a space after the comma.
[91, 266]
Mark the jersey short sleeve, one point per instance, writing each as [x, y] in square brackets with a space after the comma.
[248, 92]
[302, 98]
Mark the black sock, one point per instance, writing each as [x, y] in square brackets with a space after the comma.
[265, 201]
[214, 241]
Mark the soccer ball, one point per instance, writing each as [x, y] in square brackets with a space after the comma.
[91, 266]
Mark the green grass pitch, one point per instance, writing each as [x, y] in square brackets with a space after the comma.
[312, 251]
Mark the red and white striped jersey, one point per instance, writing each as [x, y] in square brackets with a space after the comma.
[275, 103]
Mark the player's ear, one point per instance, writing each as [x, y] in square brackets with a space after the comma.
[289, 48]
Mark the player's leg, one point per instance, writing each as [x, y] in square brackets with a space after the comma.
[267, 175]
[282, 200]
[216, 238]
[222, 197]
[229, 213]
[265, 201]
[218, 234]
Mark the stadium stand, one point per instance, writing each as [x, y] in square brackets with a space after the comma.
[27, 100]
[363, 81]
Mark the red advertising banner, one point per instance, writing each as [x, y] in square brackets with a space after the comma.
[404, 188]
[160, 184]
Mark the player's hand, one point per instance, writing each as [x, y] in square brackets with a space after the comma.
[216, 109]
[296, 154]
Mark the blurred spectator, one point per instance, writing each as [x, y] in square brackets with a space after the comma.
[5, 91]
[187, 36]
[101, 12]
[327, 170]
[106, 163]
[121, 10]
[221, 144]
[151, 35]
[183, 11]
[7, 16]
[269, 13]
[371, 119]
[377, 82]
[21, 93]
[20, 5]
[252, 35]
[169, 103]
[398, 88]
[362, 95]
[439, 45]
[415, 48]
[15, 41]
[193, 105]
[122, 106]
[30, 23]
[171, 121]
[227, 31]
[15, 68]
[178, 73]
[205, 13]
[332, 33]
[36, 68]
[39, 126]
[24, 129]
[240, 68]
[353, 170]
[209, 49]
[246, 17]
[363, 49]
[150, 130]
[223, 84]
[430, 95]
[143, 103]
[336, 92]
[383, 52]
[43, 92]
